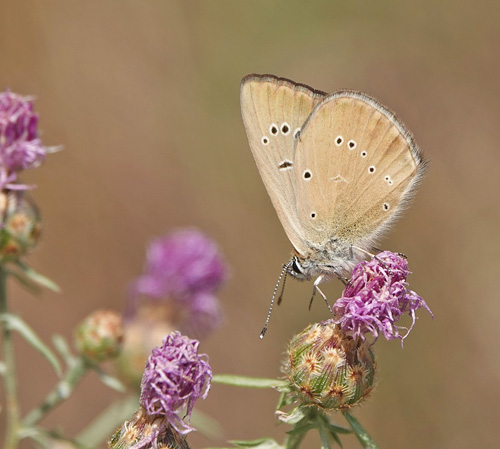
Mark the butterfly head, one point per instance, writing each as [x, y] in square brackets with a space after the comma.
[300, 268]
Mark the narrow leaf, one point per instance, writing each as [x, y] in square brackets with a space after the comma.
[333, 427]
[364, 438]
[325, 442]
[16, 323]
[38, 278]
[243, 381]
[25, 282]
[261, 443]
[63, 349]
[206, 425]
[99, 429]
[109, 381]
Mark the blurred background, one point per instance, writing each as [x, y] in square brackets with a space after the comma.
[144, 97]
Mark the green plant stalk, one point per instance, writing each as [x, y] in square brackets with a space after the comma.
[10, 382]
[61, 391]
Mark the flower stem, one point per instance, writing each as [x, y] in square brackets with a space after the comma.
[10, 382]
[60, 392]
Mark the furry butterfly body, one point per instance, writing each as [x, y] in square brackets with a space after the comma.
[338, 168]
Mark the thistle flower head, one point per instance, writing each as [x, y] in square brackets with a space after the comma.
[176, 376]
[20, 147]
[183, 263]
[144, 431]
[20, 224]
[376, 298]
[99, 336]
[329, 369]
[184, 269]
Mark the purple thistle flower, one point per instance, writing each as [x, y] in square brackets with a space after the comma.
[183, 263]
[176, 376]
[376, 298]
[20, 147]
[184, 268]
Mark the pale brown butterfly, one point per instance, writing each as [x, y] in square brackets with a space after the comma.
[339, 169]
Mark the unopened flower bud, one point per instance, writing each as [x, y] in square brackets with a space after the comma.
[99, 336]
[329, 369]
[20, 224]
[146, 431]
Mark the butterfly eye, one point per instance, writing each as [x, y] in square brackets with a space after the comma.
[273, 129]
[351, 144]
[364, 154]
[339, 140]
[372, 169]
[285, 128]
[265, 140]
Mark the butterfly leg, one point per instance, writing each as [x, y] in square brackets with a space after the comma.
[318, 281]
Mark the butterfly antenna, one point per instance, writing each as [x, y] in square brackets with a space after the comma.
[280, 297]
[266, 324]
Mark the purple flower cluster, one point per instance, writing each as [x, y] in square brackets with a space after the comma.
[185, 268]
[176, 376]
[376, 298]
[20, 147]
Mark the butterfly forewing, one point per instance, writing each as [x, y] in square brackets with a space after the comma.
[356, 165]
[274, 110]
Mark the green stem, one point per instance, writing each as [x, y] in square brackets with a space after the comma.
[60, 392]
[10, 382]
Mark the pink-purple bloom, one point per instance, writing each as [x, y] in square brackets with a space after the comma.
[183, 263]
[176, 376]
[377, 297]
[185, 268]
[20, 146]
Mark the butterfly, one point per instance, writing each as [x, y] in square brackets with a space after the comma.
[339, 169]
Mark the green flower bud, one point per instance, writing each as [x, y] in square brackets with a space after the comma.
[329, 369]
[147, 432]
[99, 336]
[21, 224]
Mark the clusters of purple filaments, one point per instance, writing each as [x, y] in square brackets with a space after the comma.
[185, 268]
[20, 146]
[376, 297]
[176, 376]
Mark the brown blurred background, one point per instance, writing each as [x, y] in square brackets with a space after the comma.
[144, 97]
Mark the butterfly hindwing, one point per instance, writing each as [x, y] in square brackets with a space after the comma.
[274, 109]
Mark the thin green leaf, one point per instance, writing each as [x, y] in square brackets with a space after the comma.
[326, 431]
[261, 443]
[2, 368]
[99, 429]
[301, 428]
[25, 282]
[297, 414]
[47, 438]
[63, 349]
[333, 427]
[206, 425]
[364, 438]
[38, 278]
[17, 324]
[325, 441]
[243, 381]
[110, 381]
